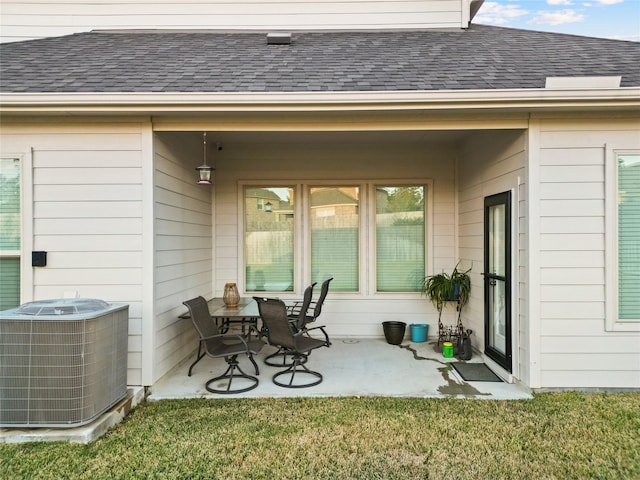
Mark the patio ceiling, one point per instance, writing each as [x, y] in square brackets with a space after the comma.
[354, 138]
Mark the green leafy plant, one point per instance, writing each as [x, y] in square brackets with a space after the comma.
[445, 287]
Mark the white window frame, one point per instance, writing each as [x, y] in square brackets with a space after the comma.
[297, 188]
[612, 320]
[367, 234]
[428, 217]
[305, 258]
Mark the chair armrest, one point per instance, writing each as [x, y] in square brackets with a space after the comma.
[294, 308]
[239, 336]
[305, 331]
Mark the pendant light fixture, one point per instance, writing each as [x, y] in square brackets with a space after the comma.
[204, 170]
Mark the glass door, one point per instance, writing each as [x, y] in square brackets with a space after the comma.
[497, 278]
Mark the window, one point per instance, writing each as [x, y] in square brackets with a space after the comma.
[628, 236]
[335, 233]
[400, 238]
[269, 239]
[9, 233]
[369, 237]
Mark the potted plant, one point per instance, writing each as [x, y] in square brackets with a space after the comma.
[444, 287]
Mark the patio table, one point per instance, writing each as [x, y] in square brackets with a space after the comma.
[246, 313]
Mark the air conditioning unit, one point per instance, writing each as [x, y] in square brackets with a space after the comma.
[63, 362]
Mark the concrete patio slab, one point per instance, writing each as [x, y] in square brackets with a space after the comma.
[351, 367]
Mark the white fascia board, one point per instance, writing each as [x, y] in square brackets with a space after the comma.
[332, 101]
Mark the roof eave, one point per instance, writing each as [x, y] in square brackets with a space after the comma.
[153, 103]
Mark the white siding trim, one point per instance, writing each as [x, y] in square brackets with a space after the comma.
[533, 248]
[148, 255]
[26, 212]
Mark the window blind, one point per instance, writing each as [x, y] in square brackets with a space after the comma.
[400, 238]
[629, 237]
[9, 282]
[9, 233]
[269, 239]
[335, 236]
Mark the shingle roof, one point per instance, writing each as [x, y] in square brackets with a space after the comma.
[481, 57]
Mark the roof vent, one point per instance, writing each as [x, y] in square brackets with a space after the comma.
[278, 39]
[583, 82]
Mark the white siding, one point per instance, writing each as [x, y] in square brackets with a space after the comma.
[87, 214]
[338, 159]
[490, 163]
[183, 245]
[28, 19]
[575, 348]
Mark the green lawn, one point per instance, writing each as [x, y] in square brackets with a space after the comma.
[567, 436]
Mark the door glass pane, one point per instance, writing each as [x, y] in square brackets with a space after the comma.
[400, 240]
[335, 222]
[269, 239]
[498, 317]
[496, 240]
[629, 237]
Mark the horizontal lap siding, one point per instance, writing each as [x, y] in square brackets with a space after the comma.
[26, 19]
[87, 209]
[183, 247]
[575, 349]
[345, 314]
[490, 163]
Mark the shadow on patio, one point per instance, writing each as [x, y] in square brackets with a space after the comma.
[351, 367]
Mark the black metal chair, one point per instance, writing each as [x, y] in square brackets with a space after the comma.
[298, 344]
[294, 319]
[302, 319]
[298, 310]
[215, 345]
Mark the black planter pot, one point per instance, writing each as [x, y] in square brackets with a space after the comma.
[394, 332]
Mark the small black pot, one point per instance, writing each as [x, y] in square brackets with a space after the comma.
[394, 332]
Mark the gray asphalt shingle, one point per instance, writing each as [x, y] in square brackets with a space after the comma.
[481, 57]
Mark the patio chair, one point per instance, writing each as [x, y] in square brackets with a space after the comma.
[303, 319]
[294, 319]
[298, 344]
[298, 310]
[216, 344]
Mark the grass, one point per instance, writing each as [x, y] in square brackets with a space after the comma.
[554, 435]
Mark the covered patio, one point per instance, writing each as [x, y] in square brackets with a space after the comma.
[352, 366]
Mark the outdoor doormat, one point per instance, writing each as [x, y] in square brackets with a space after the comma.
[475, 372]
